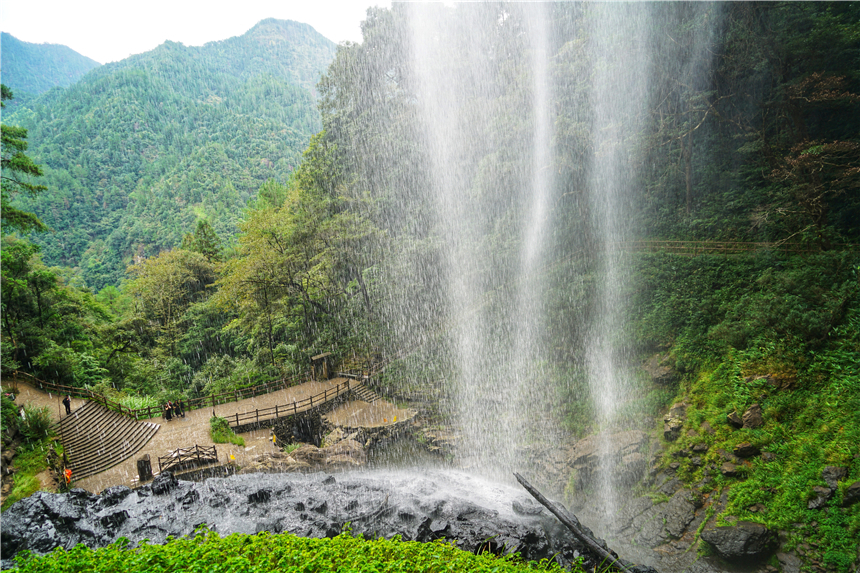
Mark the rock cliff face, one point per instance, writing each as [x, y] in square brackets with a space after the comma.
[419, 506]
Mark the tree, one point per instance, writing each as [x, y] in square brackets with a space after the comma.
[165, 286]
[203, 240]
[17, 171]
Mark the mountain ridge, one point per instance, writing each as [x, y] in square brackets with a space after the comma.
[117, 146]
[32, 69]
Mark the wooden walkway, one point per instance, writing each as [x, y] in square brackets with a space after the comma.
[296, 407]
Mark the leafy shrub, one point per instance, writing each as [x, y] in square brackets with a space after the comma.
[222, 433]
[36, 424]
[9, 413]
[265, 552]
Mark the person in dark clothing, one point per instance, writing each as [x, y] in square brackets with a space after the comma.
[168, 411]
[67, 402]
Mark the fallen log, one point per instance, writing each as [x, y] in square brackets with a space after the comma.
[562, 516]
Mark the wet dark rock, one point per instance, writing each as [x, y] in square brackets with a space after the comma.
[189, 497]
[115, 519]
[832, 475]
[743, 542]
[526, 507]
[820, 497]
[163, 483]
[852, 494]
[706, 427]
[746, 450]
[700, 448]
[260, 496]
[419, 506]
[734, 420]
[114, 495]
[752, 418]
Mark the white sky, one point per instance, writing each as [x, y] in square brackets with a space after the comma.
[111, 30]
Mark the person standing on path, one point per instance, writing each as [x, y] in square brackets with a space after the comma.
[67, 402]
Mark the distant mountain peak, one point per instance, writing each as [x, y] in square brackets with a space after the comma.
[36, 68]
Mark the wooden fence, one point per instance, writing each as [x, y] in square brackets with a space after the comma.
[695, 248]
[197, 455]
[155, 411]
[278, 411]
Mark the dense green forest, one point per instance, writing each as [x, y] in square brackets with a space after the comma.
[138, 151]
[250, 256]
[32, 69]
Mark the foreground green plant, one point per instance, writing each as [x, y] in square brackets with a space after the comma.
[222, 433]
[266, 552]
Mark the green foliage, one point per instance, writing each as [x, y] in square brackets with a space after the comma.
[30, 460]
[787, 338]
[16, 173]
[140, 150]
[9, 414]
[222, 433]
[288, 553]
[36, 424]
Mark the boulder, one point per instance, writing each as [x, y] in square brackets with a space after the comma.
[660, 369]
[852, 494]
[163, 483]
[832, 475]
[734, 420]
[309, 454]
[746, 450]
[729, 469]
[752, 418]
[743, 542]
[706, 427]
[672, 428]
[820, 497]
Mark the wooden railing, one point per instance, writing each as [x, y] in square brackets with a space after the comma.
[297, 407]
[695, 248]
[222, 398]
[155, 411]
[197, 454]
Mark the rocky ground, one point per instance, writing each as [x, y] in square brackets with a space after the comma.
[423, 506]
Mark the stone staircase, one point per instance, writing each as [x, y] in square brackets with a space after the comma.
[362, 392]
[96, 438]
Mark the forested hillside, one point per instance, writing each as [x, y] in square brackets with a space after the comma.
[257, 245]
[32, 69]
[139, 150]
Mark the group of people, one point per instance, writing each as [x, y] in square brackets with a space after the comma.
[173, 409]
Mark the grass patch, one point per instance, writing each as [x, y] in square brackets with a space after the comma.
[222, 433]
[282, 552]
[30, 460]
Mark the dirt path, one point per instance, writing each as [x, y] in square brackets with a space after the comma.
[194, 428]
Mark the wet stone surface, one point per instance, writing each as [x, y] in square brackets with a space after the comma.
[418, 506]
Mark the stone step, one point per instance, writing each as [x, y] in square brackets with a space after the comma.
[95, 438]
